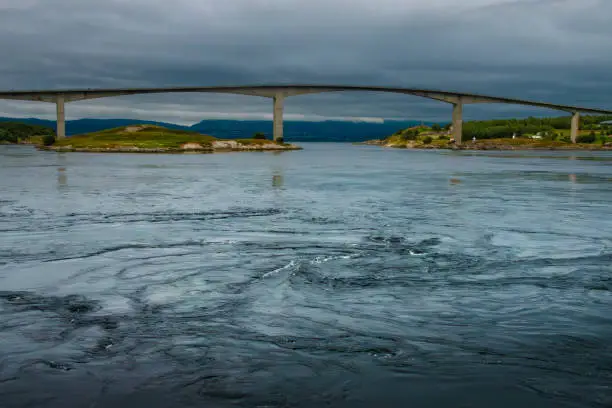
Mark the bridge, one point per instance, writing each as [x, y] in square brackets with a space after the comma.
[278, 93]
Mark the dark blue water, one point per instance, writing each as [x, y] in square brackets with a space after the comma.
[346, 276]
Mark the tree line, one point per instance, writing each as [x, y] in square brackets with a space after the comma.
[15, 132]
[501, 128]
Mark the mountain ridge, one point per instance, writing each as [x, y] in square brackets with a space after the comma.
[299, 131]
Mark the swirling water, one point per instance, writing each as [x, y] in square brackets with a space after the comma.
[340, 275]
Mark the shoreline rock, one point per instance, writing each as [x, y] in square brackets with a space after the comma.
[232, 145]
[501, 147]
[374, 142]
[218, 146]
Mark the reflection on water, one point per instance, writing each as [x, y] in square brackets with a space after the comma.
[509, 175]
[340, 275]
[277, 179]
[61, 177]
[603, 156]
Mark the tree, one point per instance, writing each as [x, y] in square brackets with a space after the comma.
[436, 127]
[48, 140]
[259, 135]
[7, 137]
[410, 134]
[12, 132]
[590, 138]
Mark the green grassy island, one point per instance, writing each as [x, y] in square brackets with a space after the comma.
[157, 139]
[22, 133]
[512, 134]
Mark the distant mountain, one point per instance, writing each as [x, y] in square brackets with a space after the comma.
[31, 121]
[76, 127]
[303, 131]
[298, 131]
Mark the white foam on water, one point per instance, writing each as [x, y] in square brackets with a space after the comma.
[281, 269]
[322, 259]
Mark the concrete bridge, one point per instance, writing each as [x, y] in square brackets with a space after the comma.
[278, 93]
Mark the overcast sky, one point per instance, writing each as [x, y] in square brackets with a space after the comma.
[556, 51]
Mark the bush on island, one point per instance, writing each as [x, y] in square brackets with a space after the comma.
[6, 136]
[48, 140]
[590, 138]
[410, 134]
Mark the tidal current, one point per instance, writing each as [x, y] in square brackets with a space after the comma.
[340, 276]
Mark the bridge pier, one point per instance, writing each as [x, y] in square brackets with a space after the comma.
[458, 121]
[60, 129]
[575, 126]
[277, 126]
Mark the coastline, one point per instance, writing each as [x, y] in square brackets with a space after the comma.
[220, 146]
[492, 144]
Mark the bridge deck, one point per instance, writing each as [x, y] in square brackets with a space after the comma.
[286, 90]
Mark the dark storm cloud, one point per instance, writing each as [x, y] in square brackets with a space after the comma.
[556, 50]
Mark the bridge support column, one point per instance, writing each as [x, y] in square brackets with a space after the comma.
[60, 129]
[575, 126]
[277, 126]
[458, 121]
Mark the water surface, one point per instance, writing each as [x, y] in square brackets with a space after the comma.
[349, 276]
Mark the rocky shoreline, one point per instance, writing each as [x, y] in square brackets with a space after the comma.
[218, 146]
[510, 147]
[489, 146]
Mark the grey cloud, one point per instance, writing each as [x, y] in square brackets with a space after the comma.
[551, 50]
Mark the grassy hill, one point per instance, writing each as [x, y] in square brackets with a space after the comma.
[507, 134]
[142, 136]
[557, 128]
[157, 139]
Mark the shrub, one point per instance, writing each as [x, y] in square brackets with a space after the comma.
[443, 138]
[590, 138]
[259, 135]
[48, 140]
[410, 134]
[280, 140]
[427, 140]
[6, 136]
